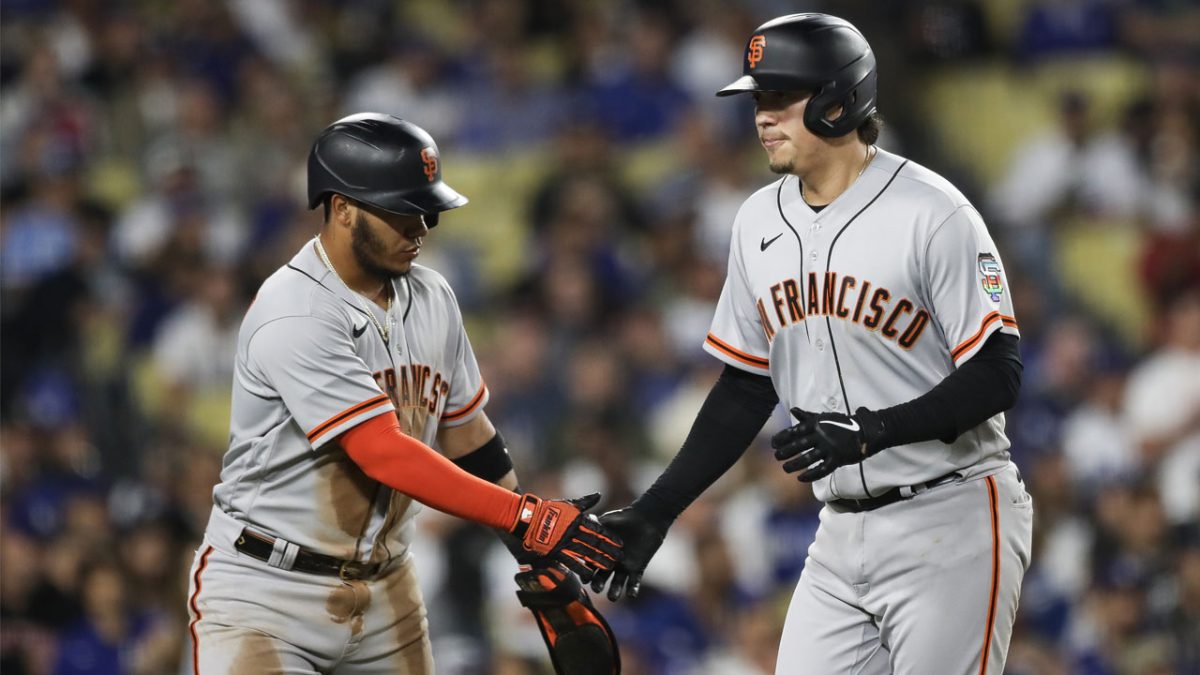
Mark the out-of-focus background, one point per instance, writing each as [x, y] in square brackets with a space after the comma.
[152, 167]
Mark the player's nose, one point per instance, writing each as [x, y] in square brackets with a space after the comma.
[416, 228]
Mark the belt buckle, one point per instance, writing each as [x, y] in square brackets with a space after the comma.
[352, 570]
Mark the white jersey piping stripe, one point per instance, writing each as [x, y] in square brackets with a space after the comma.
[468, 408]
[979, 335]
[337, 419]
[748, 359]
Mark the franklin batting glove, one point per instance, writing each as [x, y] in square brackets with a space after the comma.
[559, 529]
[820, 442]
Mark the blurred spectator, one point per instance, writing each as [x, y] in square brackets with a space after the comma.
[410, 84]
[710, 189]
[1056, 378]
[176, 217]
[583, 153]
[195, 347]
[519, 108]
[707, 58]
[1049, 178]
[753, 643]
[1065, 27]
[46, 121]
[1162, 28]
[1162, 408]
[1097, 446]
[40, 236]
[783, 517]
[1184, 619]
[32, 611]
[207, 43]
[107, 639]
[636, 98]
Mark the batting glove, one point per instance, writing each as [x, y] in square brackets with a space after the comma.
[820, 442]
[559, 529]
[642, 538]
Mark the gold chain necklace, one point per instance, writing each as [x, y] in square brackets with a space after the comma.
[383, 331]
[871, 152]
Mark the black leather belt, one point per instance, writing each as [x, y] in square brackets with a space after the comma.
[262, 547]
[891, 496]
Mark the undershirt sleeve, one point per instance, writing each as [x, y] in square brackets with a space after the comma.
[983, 386]
[736, 409]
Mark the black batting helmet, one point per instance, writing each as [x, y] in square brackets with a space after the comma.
[819, 53]
[383, 161]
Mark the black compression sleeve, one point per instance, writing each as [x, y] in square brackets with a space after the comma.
[734, 412]
[985, 385]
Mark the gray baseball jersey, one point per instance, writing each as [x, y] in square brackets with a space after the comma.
[870, 302]
[311, 365]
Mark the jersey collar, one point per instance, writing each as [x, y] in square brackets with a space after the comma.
[872, 180]
[309, 263]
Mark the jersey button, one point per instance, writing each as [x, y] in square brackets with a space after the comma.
[820, 345]
[813, 255]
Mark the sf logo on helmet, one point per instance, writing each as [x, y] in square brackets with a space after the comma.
[754, 53]
[430, 159]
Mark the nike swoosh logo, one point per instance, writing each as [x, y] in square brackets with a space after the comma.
[762, 245]
[852, 426]
[359, 331]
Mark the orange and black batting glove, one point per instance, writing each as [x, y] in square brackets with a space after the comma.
[580, 641]
[558, 529]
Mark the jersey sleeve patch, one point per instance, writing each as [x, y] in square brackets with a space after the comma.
[474, 404]
[991, 276]
[724, 348]
[991, 322]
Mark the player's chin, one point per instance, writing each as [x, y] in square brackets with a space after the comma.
[781, 166]
[399, 268]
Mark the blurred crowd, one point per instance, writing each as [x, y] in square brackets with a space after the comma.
[152, 175]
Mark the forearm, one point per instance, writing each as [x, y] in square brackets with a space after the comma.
[732, 415]
[406, 465]
[489, 461]
[982, 387]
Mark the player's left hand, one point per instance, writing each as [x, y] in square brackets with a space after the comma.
[820, 442]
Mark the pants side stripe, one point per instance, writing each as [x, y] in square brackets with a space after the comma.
[192, 603]
[995, 586]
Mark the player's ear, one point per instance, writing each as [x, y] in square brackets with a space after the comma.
[341, 210]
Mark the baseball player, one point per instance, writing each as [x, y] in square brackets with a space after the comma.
[351, 361]
[866, 294]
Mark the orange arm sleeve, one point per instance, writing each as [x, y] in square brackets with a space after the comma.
[406, 465]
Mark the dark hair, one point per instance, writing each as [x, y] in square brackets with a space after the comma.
[868, 131]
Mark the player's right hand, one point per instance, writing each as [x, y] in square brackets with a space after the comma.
[642, 538]
[559, 529]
